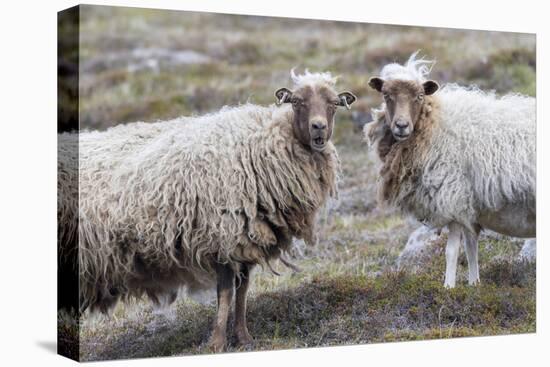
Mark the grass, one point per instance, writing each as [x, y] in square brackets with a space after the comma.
[350, 290]
[129, 71]
[333, 310]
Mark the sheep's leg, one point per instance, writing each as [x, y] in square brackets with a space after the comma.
[451, 254]
[241, 330]
[471, 247]
[225, 290]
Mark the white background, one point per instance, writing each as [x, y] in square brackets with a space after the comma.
[28, 181]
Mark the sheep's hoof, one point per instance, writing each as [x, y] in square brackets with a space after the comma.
[245, 340]
[216, 344]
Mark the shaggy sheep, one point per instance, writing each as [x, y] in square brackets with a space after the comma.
[460, 158]
[198, 201]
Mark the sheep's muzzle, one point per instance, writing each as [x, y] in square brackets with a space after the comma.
[401, 129]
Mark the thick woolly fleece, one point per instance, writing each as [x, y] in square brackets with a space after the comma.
[472, 152]
[161, 203]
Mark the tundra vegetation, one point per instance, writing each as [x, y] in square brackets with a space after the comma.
[147, 65]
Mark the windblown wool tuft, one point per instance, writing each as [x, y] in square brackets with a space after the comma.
[414, 69]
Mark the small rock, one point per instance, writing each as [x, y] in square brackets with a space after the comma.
[416, 245]
[529, 250]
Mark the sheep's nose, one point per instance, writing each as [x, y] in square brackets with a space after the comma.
[402, 124]
[318, 125]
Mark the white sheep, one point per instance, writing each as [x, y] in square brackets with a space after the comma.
[461, 158]
[198, 201]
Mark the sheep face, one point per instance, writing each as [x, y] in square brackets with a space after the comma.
[314, 107]
[404, 100]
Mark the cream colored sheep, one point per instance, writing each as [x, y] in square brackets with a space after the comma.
[461, 158]
[198, 201]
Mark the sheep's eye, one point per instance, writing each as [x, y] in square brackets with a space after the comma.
[296, 102]
[387, 96]
[420, 97]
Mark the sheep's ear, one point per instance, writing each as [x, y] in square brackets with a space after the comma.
[283, 95]
[376, 83]
[346, 99]
[430, 87]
